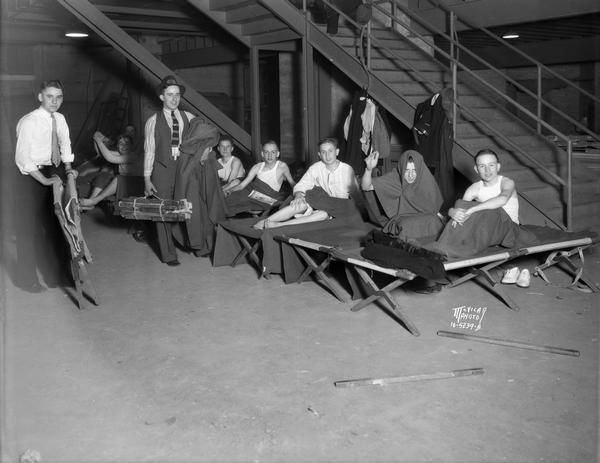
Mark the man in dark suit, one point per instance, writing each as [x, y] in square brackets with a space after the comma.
[163, 134]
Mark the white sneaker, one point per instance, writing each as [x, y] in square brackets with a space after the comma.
[510, 276]
[524, 279]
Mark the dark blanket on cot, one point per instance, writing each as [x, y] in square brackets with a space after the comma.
[280, 257]
[386, 251]
[319, 200]
[480, 231]
[238, 201]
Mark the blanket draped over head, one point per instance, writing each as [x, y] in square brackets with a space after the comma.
[197, 181]
[410, 207]
[398, 197]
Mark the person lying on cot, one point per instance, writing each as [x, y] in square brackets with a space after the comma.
[406, 200]
[323, 191]
[230, 168]
[130, 181]
[265, 178]
[487, 215]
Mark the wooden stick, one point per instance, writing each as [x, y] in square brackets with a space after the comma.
[406, 379]
[505, 342]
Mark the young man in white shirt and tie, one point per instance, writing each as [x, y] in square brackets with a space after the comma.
[43, 142]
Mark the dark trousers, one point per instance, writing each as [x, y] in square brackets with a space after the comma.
[163, 179]
[40, 241]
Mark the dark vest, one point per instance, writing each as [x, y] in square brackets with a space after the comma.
[162, 138]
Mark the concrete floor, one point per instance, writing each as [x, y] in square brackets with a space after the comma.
[203, 364]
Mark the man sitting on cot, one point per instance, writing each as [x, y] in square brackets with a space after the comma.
[487, 215]
[323, 191]
[262, 186]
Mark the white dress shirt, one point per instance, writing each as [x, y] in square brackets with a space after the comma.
[150, 142]
[336, 183]
[34, 140]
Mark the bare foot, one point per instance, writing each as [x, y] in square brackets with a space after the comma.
[87, 203]
[260, 225]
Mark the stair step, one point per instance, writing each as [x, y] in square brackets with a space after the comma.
[436, 77]
[466, 128]
[525, 141]
[487, 114]
[586, 216]
[385, 63]
[583, 193]
[248, 13]
[420, 89]
[527, 176]
[353, 49]
[227, 5]
[260, 26]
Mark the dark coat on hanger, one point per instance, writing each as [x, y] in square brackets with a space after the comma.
[435, 142]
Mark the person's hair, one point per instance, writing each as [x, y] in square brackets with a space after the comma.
[124, 136]
[270, 142]
[331, 140]
[486, 151]
[54, 83]
[225, 138]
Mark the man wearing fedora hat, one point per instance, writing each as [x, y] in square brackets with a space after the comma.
[163, 134]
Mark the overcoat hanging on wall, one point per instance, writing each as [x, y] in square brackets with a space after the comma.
[435, 141]
[365, 129]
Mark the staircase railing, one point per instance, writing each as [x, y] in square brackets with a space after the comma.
[455, 64]
[540, 69]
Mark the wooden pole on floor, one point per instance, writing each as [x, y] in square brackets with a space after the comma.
[406, 379]
[505, 342]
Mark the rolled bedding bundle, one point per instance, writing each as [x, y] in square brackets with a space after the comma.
[155, 209]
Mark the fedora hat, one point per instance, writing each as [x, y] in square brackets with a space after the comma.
[167, 82]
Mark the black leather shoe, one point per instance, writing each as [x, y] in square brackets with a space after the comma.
[139, 236]
[173, 263]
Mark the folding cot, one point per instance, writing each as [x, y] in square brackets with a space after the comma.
[236, 241]
[562, 246]
[66, 208]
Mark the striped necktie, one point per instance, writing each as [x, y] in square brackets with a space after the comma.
[175, 134]
[55, 148]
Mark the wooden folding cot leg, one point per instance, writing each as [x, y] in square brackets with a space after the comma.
[384, 293]
[251, 251]
[82, 280]
[470, 275]
[318, 270]
[492, 285]
[565, 257]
